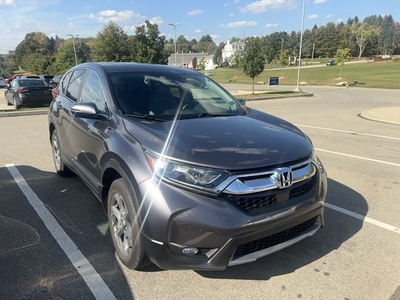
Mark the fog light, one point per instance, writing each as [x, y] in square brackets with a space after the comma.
[190, 251]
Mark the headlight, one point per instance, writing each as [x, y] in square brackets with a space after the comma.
[318, 163]
[189, 175]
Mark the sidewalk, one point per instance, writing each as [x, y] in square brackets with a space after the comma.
[383, 114]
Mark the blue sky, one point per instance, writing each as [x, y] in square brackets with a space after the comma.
[221, 19]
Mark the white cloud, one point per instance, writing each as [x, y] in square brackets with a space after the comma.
[195, 12]
[329, 17]
[7, 2]
[106, 16]
[156, 20]
[239, 24]
[264, 5]
[315, 16]
[270, 25]
[197, 31]
[320, 1]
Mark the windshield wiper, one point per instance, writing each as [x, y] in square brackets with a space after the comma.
[201, 115]
[148, 117]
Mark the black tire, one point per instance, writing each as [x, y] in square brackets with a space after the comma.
[59, 164]
[124, 226]
[8, 103]
[16, 106]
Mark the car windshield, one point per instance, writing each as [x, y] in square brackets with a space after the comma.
[168, 95]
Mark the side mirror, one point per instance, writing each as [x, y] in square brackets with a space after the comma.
[84, 110]
[241, 101]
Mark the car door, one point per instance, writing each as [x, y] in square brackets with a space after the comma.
[68, 94]
[10, 93]
[90, 134]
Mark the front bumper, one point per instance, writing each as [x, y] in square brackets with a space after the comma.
[222, 234]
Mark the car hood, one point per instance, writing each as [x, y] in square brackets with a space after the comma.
[254, 140]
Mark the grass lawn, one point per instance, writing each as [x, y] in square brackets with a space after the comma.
[369, 75]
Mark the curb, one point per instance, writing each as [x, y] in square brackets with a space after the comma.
[8, 113]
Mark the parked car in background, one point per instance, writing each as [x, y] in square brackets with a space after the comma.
[330, 62]
[54, 81]
[11, 78]
[28, 92]
[30, 76]
[3, 84]
[190, 177]
[46, 78]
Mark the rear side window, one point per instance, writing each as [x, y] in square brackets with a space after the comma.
[75, 84]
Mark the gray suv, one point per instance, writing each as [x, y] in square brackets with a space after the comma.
[190, 177]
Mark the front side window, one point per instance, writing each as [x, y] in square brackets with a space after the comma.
[75, 84]
[93, 91]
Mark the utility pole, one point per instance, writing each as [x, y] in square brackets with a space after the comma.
[73, 42]
[175, 24]
[298, 89]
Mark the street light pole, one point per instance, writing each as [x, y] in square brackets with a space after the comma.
[175, 24]
[298, 89]
[73, 42]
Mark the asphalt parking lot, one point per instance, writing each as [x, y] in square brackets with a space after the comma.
[356, 255]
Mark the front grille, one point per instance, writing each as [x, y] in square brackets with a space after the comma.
[252, 202]
[274, 239]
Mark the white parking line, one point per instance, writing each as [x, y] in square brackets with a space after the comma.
[359, 157]
[93, 280]
[363, 218]
[351, 132]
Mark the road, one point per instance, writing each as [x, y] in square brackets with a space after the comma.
[356, 255]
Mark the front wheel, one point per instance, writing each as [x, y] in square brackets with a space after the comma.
[124, 226]
[61, 168]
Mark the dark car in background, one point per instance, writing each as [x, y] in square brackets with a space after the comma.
[28, 92]
[330, 62]
[189, 176]
[55, 80]
[46, 78]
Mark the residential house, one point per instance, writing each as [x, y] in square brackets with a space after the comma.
[230, 49]
[185, 60]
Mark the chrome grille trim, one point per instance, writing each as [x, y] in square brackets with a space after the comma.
[265, 181]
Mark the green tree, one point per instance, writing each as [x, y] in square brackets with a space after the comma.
[253, 60]
[363, 33]
[283, 58]
[387, 35]
[182, 44]
[147, 45]
[7, 65]
[35, 46]
[201, 64]
[235, 60]
[65, 57]
[327, 40]
[111, 44]
[217, 59]
[342, 55]
[274, 43]
[194, 63]
[206, 45]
